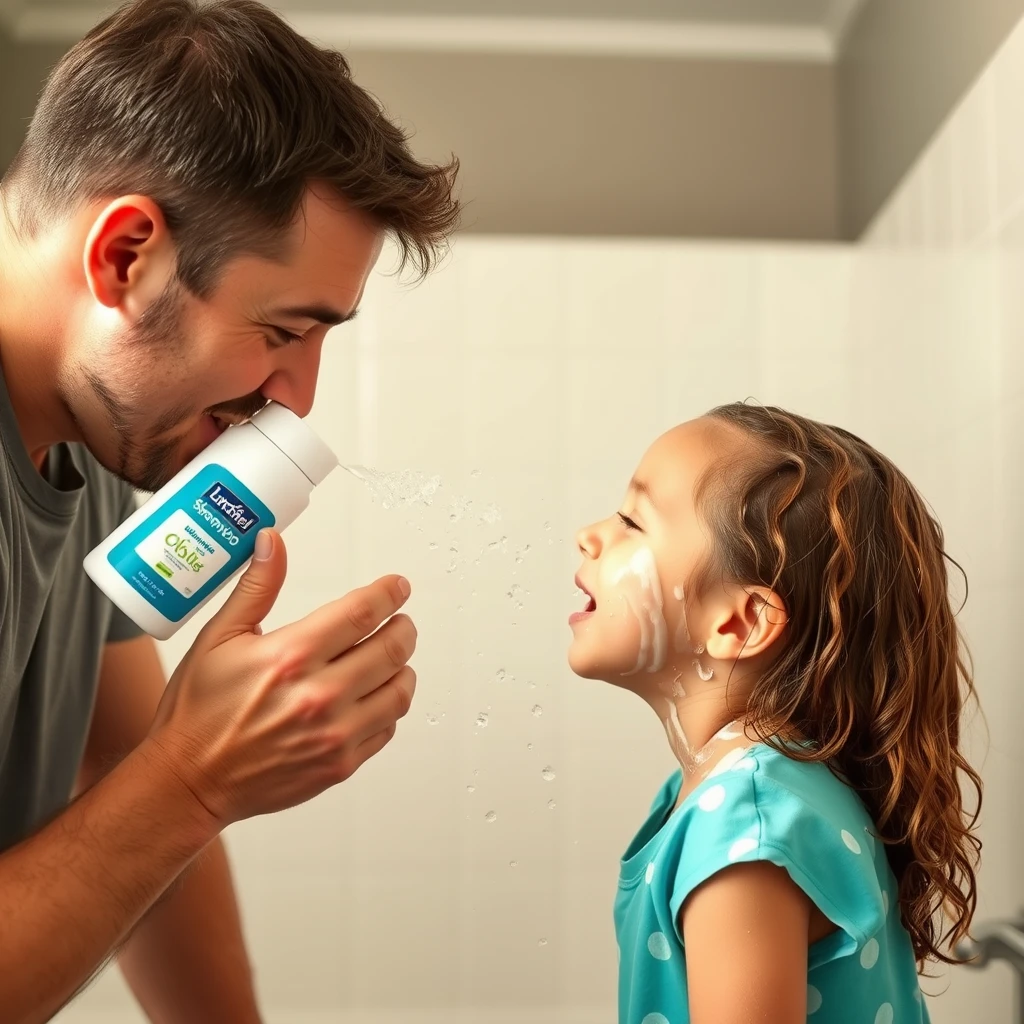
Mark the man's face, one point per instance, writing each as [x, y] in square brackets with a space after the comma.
[149, 394]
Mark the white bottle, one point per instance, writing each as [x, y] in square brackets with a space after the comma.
[164, 562]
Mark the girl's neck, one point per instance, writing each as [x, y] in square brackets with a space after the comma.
[703, 719]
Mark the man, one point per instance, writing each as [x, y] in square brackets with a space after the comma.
[202, 194]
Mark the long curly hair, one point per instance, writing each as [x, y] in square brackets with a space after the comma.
[873, 667]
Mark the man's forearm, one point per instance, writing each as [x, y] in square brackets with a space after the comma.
[186, 961]
[72, 892]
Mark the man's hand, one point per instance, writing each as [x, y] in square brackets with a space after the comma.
[254, 723]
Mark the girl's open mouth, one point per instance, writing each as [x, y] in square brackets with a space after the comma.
[589, 608]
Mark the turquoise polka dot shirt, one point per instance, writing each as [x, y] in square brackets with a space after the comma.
[759, 805]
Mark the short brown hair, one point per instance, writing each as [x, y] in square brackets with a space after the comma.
[223, 115]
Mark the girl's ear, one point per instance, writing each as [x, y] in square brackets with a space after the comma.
[746, 626]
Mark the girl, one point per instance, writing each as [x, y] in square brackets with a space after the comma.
[776, 590]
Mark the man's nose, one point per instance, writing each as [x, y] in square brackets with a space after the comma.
[293, 384]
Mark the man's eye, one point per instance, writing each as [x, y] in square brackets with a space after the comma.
[627, 522]
[281, 337]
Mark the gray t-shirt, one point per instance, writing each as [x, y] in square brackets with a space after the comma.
[53, 621]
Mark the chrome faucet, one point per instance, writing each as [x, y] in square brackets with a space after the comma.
[998, 940]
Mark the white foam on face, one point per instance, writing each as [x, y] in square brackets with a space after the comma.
[682, 637]
[674, 729]
[677, 686]
[728, 732]
[643, 597]
[704, 673]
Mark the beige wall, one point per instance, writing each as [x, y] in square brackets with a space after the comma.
[23, 69]
[591, 146]
[578, 146]
[905, 63]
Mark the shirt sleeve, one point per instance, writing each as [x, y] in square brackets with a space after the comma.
[824, 846]
[121, 627]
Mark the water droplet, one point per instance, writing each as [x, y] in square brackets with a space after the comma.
[475, 473]
[520, 555]
[459, 608]
[476, 772]
[481, 721]
[536, 711]
[551, 805]
[548, 774]
[547, 526]
[542, 942]
[513, 863]
[500, 676]
[529, 746]
[471, 789]
[490, 817]
[433, 545]
[432, 719]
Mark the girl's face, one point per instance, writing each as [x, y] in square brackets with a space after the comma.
[637, 566]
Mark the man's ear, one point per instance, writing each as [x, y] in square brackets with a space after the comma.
[129, 255]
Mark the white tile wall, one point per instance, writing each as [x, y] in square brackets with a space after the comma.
[548, 366]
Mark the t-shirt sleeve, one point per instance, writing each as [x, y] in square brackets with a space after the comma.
[742, 816]
[121, 627]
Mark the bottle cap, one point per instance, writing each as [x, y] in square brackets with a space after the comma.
[297, 440]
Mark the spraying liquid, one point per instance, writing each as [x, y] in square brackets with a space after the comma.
[394, 490]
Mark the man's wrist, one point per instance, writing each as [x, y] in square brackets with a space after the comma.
[180, 806]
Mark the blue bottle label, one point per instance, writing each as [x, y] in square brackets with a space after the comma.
[193, 542]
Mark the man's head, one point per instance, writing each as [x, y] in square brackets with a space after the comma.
[224, 189]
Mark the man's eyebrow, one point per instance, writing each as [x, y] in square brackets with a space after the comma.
[321, 314]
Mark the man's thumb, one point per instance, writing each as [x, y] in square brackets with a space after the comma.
[256, 591]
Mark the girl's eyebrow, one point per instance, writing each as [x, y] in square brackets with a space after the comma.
[640, 487]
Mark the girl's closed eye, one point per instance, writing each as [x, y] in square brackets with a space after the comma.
[627, 522]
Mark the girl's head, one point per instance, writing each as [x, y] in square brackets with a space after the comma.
[791, 569]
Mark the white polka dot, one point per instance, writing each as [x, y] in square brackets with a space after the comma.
[884, 1015]
[655, 1018]
[742, 847]
[711, 799]
[748, 764]
[650, 873]
[728, 761]
[885, 903]
[658, 947]
[851, 843]
[869, 954]
[813, 1000]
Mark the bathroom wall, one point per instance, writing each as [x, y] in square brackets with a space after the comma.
[902, 66]
[529, 375]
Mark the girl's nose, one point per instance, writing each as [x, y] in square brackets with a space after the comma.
[589, 541]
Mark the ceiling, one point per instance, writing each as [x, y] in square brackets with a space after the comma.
[755, 29]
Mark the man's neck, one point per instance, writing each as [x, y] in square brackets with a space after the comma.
[33, 311]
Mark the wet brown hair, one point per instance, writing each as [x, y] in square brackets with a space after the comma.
[223, 115]
[873, 668]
